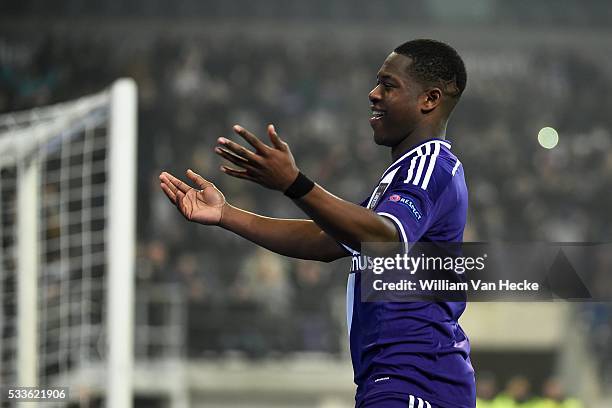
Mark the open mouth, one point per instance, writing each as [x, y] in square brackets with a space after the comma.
[377, 114]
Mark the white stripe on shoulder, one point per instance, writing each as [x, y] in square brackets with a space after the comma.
[420, 402]
[411, 151]
[412, 164]
[411, 401]
[430, 168]
[456, 167]
[389, 177]
[422, 161]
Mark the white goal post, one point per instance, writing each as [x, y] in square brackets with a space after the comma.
[121, 239]
[67, 244]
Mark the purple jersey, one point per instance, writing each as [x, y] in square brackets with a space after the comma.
[416, 349]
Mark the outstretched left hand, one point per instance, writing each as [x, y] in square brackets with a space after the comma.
[271, 166]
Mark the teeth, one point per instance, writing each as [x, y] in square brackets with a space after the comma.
[378, 113]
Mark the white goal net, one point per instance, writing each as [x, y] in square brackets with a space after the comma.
[67, 237]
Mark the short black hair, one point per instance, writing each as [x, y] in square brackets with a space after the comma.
[435, 63]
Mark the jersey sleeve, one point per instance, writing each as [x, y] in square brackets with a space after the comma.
[411, 210]
[414, 198]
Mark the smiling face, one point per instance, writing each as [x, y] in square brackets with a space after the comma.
[395, 101]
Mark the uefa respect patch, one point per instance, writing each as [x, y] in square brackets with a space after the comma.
[407, 202]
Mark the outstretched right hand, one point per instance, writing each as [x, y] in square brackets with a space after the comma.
[204, 206]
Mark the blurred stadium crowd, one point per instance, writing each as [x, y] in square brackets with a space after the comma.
[589, 13]
[191, 90]
[518, 393]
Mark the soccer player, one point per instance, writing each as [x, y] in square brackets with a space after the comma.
[408, 354]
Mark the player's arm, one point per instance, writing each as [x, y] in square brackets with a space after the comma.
[274, 167]
[346, 222]
[295, 238]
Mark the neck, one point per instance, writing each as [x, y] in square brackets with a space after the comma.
[420, 134]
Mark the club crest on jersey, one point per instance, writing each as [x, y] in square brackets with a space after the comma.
[407, 202]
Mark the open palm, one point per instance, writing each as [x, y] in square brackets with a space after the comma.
[204, 206]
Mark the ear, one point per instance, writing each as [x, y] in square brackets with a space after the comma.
[430, 99]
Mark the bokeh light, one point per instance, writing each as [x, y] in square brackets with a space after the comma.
[548, 137]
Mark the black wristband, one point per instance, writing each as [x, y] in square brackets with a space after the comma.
[300, 187]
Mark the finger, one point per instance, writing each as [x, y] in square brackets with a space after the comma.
[181, 203]
[237, 173]
[239, 150]
[275, 139]
[171, 187]
[251, 138]
[237, 160]
[221, 151]
[171, 196]
[199, 180]
[176, 183]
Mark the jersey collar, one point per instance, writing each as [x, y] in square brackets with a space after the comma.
[410, 152]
